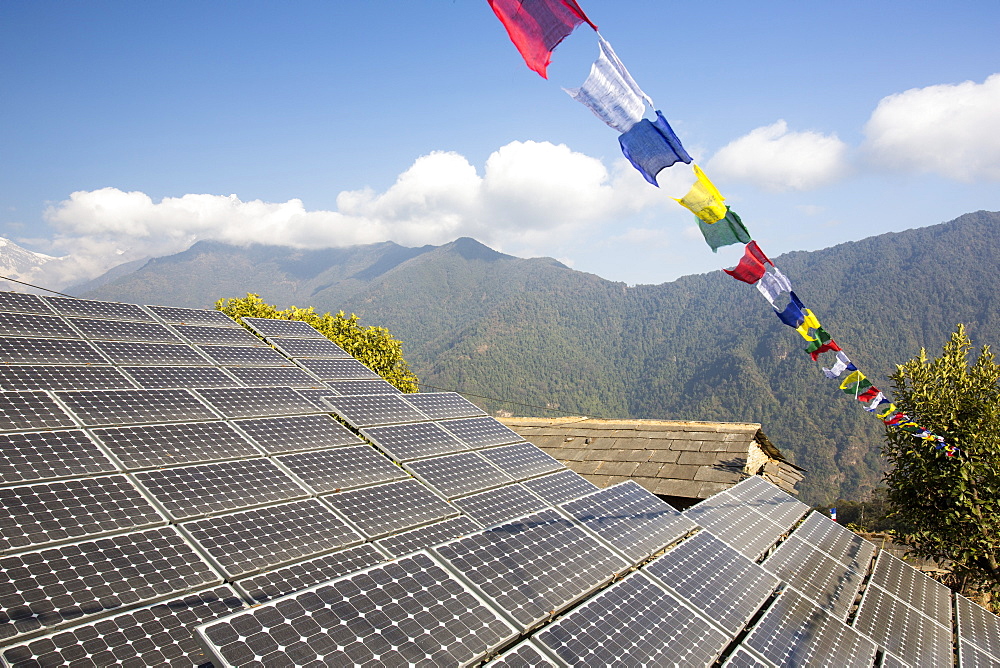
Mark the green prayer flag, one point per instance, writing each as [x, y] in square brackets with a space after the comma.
[822, 337]
[729, 230]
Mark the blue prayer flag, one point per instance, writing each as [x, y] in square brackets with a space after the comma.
[792, 315]
[652, 145]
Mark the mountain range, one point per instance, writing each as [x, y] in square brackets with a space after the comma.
[544, 337]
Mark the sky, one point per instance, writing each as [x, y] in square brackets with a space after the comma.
[130, 130]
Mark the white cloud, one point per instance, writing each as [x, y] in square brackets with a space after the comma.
[951, 129]
[776, 159]
[531, 198]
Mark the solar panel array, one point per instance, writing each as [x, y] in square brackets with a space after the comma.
[162, 470]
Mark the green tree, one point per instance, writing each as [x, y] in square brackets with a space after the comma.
[373, 346]
[948, 508]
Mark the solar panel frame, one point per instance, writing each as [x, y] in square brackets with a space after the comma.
[632, 520]
[390, 507]
[100, 408]
[31, 410]
[903, 581]
[62, 511]
[481, 432]
[319, 348]
[157, 634]
[458, 474]
[443, 405]
[560, 487]
[218, 336]
[522, 461]
[179, 377]
[626, 624]
[56, 586]
[374, 410]
[902, 629]
[128, 353]
[175, 315]
[29, 324]
[338, 369]
[200, 490]
[263, 538]
[62, 377]
[279, 328]
[816, 575]
[124, 330]
[408, 442]
[23, 302]
[304, 574]
[429, 535]
[30, 457]
[500, 505]
[340, 468]
[533, 568]
[30, 350]
[978, 626]
[427, 617]
[70, 306]
[297, 433]
[138, 447]
[244, 356]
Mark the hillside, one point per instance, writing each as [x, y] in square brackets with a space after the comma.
[702, 347]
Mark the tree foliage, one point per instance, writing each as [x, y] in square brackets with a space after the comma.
[375, 347]
[948, 508]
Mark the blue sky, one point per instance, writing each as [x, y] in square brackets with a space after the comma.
[134, 129]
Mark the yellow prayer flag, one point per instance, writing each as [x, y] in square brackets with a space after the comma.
[891, 409]
[853, 378]
[704, 199]
[810, 322]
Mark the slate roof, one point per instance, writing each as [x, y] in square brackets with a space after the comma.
[668, 457]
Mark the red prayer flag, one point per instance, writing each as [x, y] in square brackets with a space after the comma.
[537, 26]
[868, 394]
[751, 266]
[829, 345]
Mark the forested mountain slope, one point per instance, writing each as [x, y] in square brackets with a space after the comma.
[703, 347]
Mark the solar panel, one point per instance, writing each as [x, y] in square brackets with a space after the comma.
[404, 442]
[345, 369]
[304, 574]
[902, 630]
[24, 324]
[310, 348]
[265, 376]
[23, 350]
[532, 568]
[631, 519]
[22, 302]
[502, 504]
[385, 509]
[714, 579]
[49, 455]
[970, 656]
[522, 460]
[156, 635]
[162, 377]
[829, 583]
[47, 588]
[459, 474]
[904, 581]
[443, 405]
[120, 407]
[259, 539]
[21, 411]
[429, 535]
[481, 432]
[839, 543]
[153, 446]
[97, 309]
[523, 655]
[123, 352]
[348, 387]
[766, 499]
[316, 397]
[425, 617]
[66, 510]
[742, 658]
[375, 409]
[245, 356]
[121, 330]
[283, 328]
[892, 661]
[185, 492]
[746, 531]
[327, 471]
[193, 316]
[62, 377]
[560, 487]
[633, 623]
[978, 626]
[219, 336]
[793, 632]
[294, 434]
[241, 402]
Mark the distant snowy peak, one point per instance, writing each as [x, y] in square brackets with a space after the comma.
[19, 263]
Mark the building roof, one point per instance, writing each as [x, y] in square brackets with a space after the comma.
[668, 457]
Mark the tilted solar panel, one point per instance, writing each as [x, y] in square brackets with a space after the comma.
[459, 474]
[970, 656]
[522, 460]
[98, 309]
[342, 369]
[633, 623]
[443, 405]
[192, 316]
[62, 377]
[26, 350]
[164, 377]
[499, 505]
[836, 541]
[374, 410]
[310, 348]
[113, 407]
[297, 433]
[481, 432]
[49, 455]
[31, 410]
[122, 330]
[283, 376]
[24, 324]
[326, 471]
[427, 617]
[245, 402]
[244, 356]
[428, 535]
[902, 630]
[22, 302]
[742, 658]
[384, 509]
[125, 352]
[978, 626]
[831, 585]
[316, 397]
[523, 655]
[283, 328]
[153, 446]
[560, 487]
[766, 499]
[926, 595]
[405, 442]
[745, 530]
[218, 336]
[369, 386]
